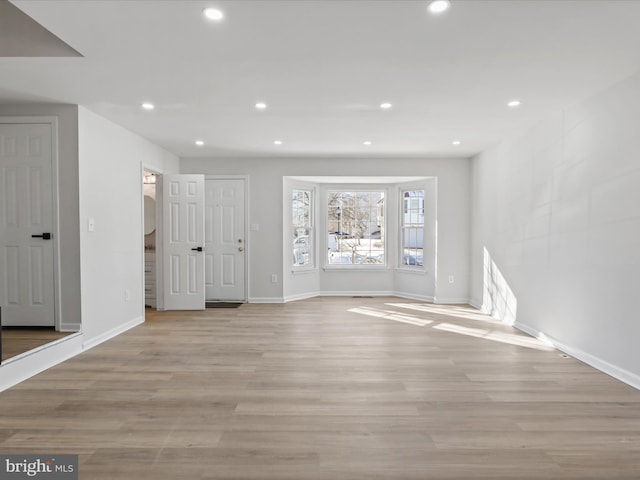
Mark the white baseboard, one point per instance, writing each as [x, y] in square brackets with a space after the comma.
[413, 296]
[531, 331]
[69, 327]
[304, 296]
[112, 333]
[266, 300]
[450, 301]
[342, 293]
[300, 296]
[477, 304]
[615, 371]
[21, 367]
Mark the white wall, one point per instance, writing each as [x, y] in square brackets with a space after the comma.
[265, 246]
[69, 239]
[558, 211]
[110, 160]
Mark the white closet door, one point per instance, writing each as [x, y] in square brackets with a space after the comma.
[26, 225]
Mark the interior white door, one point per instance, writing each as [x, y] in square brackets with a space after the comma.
[183, 241]
[26, 225]
[226, 247]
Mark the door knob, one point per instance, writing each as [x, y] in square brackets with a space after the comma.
[241, 249]
[44, 236]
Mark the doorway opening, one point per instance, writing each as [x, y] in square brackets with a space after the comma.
[149, 191]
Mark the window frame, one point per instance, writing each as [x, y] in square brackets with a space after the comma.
[310, 230]
[403, 225]
[346, 188]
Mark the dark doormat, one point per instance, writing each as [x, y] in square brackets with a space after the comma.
[222, 305]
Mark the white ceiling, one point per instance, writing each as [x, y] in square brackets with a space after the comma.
[323, 68]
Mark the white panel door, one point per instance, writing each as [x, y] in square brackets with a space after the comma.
[26, 220]
[183, 241]
[225, 239]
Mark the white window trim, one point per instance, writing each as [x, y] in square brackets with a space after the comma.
[297, 269]
[337, 187]
[421, 270]
[302, 269]
[357, 267]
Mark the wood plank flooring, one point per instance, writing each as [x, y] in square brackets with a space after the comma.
[17, 340]
[323, 389]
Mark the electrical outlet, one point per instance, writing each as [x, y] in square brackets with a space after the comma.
[127, 295]
[451, 279]
[274, 278]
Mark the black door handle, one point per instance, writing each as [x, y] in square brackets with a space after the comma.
[44, 236]
[197, 249]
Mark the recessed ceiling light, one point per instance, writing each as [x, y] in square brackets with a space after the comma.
[367, 142]
[277, 142]
[213, 14]
[514, 103]
[385, 105]
[456, 142]
[261, 105]
[439, 6]
[148, 106]
[199, 143]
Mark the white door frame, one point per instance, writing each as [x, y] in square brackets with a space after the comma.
[247, 241]
[159, 278]
[52, 121]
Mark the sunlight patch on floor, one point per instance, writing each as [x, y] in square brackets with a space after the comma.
[450, 310]
[521, 340]
[502, 337]
[391, 315]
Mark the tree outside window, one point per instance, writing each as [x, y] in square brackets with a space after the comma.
[355, 223]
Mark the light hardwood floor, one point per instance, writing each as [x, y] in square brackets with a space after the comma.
[323, 389]
[20, 340]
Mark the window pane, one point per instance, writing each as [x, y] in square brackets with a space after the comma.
[356, 228]
[302, 246]
[301, 209]
[412, 227]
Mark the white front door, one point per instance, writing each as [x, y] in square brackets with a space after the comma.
[26, 225]
[183, 241]
[225, 239]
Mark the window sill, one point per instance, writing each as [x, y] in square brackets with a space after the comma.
[303, 270]
[412, 271]
[357, 268]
